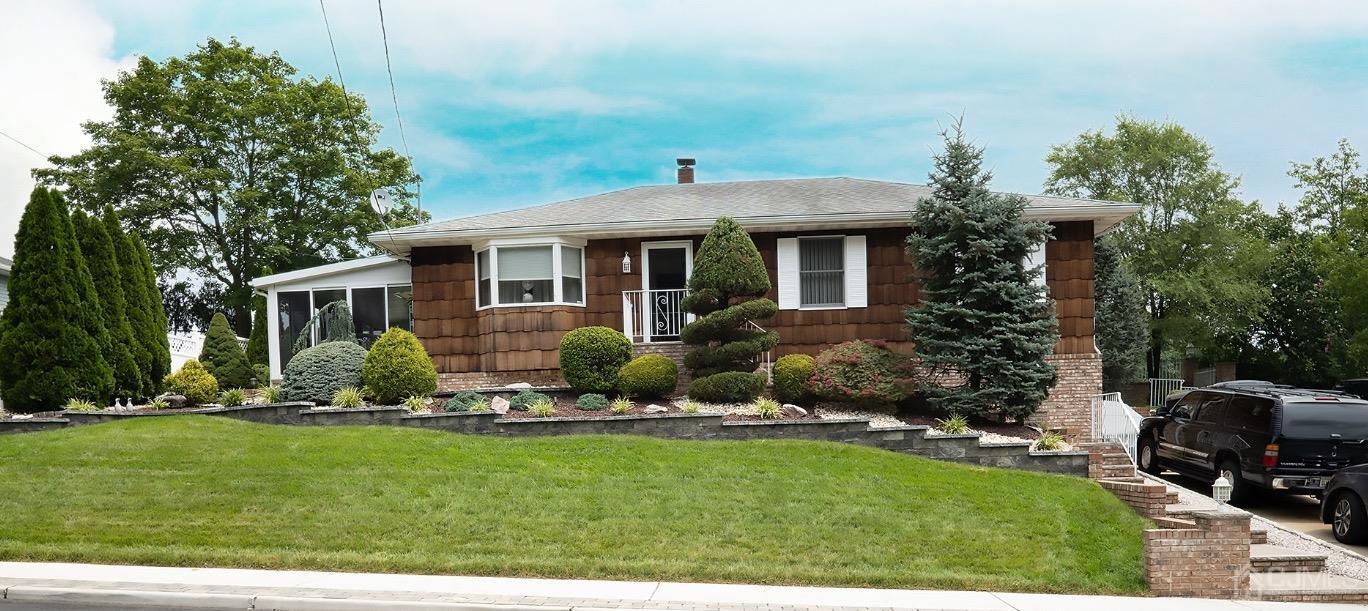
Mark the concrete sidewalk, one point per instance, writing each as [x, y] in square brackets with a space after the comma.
[140, 586]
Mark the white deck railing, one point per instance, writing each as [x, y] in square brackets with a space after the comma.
[186, 347]
[654, 316]
[1115, 421]
[1163, 387]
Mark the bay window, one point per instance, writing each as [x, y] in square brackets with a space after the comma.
[521, 273]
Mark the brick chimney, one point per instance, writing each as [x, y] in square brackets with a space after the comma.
[686, 170]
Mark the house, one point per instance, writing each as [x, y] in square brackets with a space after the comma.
[5, 266]
[491, 295]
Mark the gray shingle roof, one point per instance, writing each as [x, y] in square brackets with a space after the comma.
[767, 200]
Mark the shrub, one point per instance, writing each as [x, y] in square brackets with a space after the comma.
[158, 403]
[862, 372]
[415, 403]
[193, 382]
[728, 387]
[954, 425]
[590, 358]
[791, 375]
[523, 400]
[768, 409]
[620, 405]
[317, 373]
[80, 405]
[233, 397]
[223, 357]
[691, 407]
[480, 406]
[398, 367]
[271, 394]
[649, 375]
[462, 401]
[1049, 441]
[348, 397]
[261, 374]
[542, 408]
[591, 402]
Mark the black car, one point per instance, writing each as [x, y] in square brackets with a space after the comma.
[1257, 436]
[1342, 506]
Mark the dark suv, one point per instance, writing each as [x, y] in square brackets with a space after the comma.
[1257, 436]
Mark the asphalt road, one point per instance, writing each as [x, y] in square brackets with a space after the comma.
[18, 606]
[1294, 512]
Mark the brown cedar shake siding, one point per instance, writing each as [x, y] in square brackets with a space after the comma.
[525, 339]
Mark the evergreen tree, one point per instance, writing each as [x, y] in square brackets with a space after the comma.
[257, 346]
[98, 250]
[1120, 320]
[727, 292]
[92, 313]
[983, 327]
[158, 339]
[137, 300]
[47, 351]
[223, 357]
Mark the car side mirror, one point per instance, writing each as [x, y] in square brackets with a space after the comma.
[1161, 411]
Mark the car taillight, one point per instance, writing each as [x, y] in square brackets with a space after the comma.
[1270, 457]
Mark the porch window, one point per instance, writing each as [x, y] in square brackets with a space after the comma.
[821, 272]
[529, 274]
[294, 312]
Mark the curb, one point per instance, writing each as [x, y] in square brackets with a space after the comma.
[248, 602]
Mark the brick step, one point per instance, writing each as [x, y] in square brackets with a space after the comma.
[1306, 587]
[1258, 537]
[1110, 471]
[1116, 458]
[1171, 498]
[1265, 558]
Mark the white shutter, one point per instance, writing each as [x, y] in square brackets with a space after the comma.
[787, 258]
[856, 272]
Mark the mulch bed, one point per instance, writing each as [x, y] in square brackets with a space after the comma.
[1006, 429]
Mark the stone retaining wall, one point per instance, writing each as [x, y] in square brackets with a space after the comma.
[32, 425]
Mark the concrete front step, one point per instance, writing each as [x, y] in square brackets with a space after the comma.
[1265, 558]
[1306, 587]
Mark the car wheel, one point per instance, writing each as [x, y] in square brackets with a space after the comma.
[1239, 489]
[1348, 519]
[1147, 456]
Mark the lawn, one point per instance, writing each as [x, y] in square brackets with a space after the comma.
[203, 491]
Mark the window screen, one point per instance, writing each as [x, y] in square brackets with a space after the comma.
[399, 300]
[821, 271]
[293, 312]
[368, 314]
[323, 297]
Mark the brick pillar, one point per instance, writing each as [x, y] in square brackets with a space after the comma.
[1069, 406]
[1210, 560]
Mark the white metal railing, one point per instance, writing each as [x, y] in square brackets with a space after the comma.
[1163, 387]
[1114, 421]
[765, 359]
[186, 347]
[654, 316]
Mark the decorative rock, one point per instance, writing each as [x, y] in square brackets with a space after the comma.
[498, 405]
[173, 401]
[795, 409]
[655, 409]
[520, 386]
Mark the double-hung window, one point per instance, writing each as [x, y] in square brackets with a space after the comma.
[821, 272]
[529, 274]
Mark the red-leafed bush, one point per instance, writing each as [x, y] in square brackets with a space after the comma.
[864, 372]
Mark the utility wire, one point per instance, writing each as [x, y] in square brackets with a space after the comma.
[21, 143]
[394, 95]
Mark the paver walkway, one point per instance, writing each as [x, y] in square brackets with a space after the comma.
[262, 589]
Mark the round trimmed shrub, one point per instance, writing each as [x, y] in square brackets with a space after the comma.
[317, 373]
[649, 375]
[791, 374]
[193, 382]
[728, 387]
[864, 372]
[591, 401]
[525, 399]
[590, 358]
[397, 367]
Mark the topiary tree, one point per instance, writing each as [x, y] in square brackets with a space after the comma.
[591, 357]
[258, 347]
[98, 250]
[983, 327]
[48, 353]
[727, 292]
[193, 382]
[222, 356]
[317, 373]
[791, 375]
[649, 375]
[397, 367]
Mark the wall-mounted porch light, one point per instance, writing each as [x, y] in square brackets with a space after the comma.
[626, 262]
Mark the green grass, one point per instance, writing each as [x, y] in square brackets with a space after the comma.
[203, 491]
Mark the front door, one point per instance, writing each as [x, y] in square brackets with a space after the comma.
[665, 278]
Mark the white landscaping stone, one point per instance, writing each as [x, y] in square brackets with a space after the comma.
[655, 409]
[520, 385]
[498, 405]
[794, 408]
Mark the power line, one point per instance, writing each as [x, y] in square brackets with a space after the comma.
[21, 143]
[332, 45]
[394, 95]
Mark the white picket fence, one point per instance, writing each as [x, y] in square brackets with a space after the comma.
[1116, 422]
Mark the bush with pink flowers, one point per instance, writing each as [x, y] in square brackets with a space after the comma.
[863, 372]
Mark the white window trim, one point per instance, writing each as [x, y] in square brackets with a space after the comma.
[855, 273]
[557, 279]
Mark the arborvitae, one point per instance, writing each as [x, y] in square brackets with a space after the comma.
[223, 357]
[138, 302]
[983, 327]
[158, 339]
[257, 348]
[91, 316]
[98, 250]
[726, 292]
[47, 352]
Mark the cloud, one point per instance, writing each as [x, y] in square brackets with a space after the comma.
[52, 57]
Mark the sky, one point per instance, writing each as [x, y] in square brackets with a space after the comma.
[509, 103]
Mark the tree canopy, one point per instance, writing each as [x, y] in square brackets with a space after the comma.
[228, 163]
